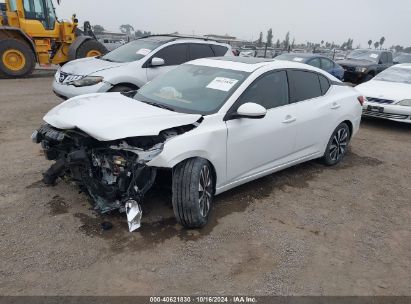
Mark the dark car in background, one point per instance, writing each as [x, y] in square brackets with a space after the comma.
[362, 65]
[315, 60]
[402, 58]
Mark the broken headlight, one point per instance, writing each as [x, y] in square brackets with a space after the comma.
[87, 81]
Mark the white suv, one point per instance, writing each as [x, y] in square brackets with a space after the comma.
[132, 65]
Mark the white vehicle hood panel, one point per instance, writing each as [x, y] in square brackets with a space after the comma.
[385, 90]
[87, 66]
[111, 116]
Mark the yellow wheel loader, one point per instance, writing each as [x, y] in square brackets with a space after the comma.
[30, 32]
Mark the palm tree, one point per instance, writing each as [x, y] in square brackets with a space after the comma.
[376, 44]
[260, 40]
[126, 29]
[369, 43]
[382, 40]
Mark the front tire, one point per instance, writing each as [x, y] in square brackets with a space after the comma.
[193, 191]
[122, 89]
[337, 145]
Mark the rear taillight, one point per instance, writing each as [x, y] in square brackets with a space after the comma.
[361, 99]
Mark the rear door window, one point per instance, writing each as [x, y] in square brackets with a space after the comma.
[200, 51]
[303, 85]
[327, 64]
[315, 63]
[175, 54]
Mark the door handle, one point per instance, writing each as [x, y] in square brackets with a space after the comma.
[289, 119]
[335, 106]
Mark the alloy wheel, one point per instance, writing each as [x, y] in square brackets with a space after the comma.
[339, 144]
[205, 190]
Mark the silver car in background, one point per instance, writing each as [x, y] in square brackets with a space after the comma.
[132, 65]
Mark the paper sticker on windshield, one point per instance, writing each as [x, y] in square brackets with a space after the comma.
[374, 55]
[222, 84]
[298, 59]
[143, 52]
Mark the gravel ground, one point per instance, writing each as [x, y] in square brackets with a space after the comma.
[309, 230]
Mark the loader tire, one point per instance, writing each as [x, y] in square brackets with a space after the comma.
[90, 48]
[16, 59]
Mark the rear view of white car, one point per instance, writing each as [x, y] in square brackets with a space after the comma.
[132, 65]
[213, 124]
[389, 94]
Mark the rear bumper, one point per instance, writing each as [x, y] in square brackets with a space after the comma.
[391, 112]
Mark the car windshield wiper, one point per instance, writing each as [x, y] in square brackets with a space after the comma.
[159, 105]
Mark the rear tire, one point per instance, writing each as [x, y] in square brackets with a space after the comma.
[16, 59]
[337, 145]
[193, 191]
[90, 48]
[122, 88]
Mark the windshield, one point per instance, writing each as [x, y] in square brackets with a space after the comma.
[132, 51]
[395, 75]
[364, 55]
[403, 58]
[192, 89]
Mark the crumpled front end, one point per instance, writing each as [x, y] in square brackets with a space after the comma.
[113, 173]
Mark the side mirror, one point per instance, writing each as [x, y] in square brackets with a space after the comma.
[157, 61]
[251, 110]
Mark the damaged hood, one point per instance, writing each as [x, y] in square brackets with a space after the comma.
[87, 66]
[111, 116]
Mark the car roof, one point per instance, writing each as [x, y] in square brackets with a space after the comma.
[371, 50]
[251, 64]
[307, 55]
[173, 37]
[304, 56]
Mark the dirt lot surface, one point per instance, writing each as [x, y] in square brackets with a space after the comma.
[309, 230]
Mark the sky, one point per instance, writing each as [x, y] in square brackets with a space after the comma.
[307, 20]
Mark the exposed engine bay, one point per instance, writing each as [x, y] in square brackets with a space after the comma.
[113, 173]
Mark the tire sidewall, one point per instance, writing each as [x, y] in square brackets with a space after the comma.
[187, 211]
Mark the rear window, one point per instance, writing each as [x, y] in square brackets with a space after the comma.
[219, 50]
[324, 83]
[303, 85]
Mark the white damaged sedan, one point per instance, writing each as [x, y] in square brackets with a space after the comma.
[388, 95]
[213, 123]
